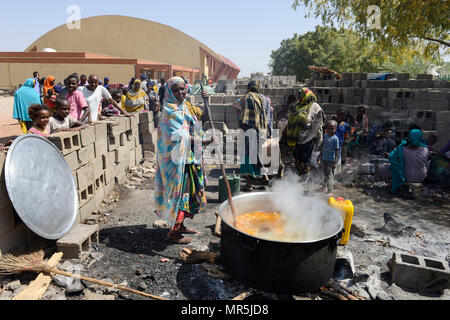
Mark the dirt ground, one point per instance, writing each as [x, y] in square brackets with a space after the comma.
[9, 127]
[133, 251]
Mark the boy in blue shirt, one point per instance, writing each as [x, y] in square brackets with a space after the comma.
[342, 132]
[329, 156]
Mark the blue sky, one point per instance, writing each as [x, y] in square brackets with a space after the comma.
[245, 31]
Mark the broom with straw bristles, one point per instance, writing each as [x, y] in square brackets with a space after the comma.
[11, 264]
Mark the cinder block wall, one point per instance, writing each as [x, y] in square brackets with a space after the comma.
[98, 156]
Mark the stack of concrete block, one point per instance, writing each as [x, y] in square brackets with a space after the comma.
[148, 134]
[98, 156]
[443, 128]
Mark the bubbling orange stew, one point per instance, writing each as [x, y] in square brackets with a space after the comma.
[260, 223]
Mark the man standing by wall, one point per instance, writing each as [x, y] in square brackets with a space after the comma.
[94, 95]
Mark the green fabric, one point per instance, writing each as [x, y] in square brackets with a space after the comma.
[297, 122]
[248, 169]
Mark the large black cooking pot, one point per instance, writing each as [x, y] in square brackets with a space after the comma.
[275, 266]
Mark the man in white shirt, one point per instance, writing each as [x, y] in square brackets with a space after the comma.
[94, 95]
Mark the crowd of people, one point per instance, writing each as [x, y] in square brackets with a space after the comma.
[42, 106]
[414, 160]
[180, 185]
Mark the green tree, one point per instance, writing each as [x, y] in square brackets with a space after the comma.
[340, 50]
[407, 29]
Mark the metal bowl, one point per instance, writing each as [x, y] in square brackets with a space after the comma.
[41, 186]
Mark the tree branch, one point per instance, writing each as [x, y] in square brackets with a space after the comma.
[447, 44]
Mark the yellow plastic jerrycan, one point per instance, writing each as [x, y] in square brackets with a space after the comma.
[346, 209]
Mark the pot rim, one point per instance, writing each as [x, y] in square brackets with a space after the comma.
[332, 211]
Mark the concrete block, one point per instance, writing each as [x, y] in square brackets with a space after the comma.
[72, 160]
[122, 166]
[424, 76]
[402, 76]
[120, 179]
[424, 84]
[7, 220]
[120, 154]
[346, 76]
[139, 153]
[79, 239]
[149, 138]
[98, 199]
[145, 117]
[132, 158]
[147, 128]
[85, 195]
[66, 141]
[149, 147]
[101, 130]
[122, 139]
[411, 84]
[87, 135]
[84, 176]
[101, 147]
[97, 167]
[345, 83]
[109, 188]
[109, 159]
[217, 99]
[113, 142]
[330, 83]
[86, 154]
[109, 175]
[420, 273]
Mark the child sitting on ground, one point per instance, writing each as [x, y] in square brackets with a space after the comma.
[62, 120]
[40, 115]
[329, 155]
[108, 109]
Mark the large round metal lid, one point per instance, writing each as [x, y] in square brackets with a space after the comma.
[41, 187]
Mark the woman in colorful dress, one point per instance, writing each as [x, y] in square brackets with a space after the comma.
[180, 178]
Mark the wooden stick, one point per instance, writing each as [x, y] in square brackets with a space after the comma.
[222, 165]
[218, 227]
[38, 287]
[242, 296]
[337, 296]
[75, 276]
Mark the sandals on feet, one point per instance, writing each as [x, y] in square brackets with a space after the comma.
[180, 240]
[189, 231]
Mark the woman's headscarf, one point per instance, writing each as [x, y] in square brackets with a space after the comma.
[23, 98]
[48, 84]
[136, 100]
[173, 152]
[306, 97]
[397, 160]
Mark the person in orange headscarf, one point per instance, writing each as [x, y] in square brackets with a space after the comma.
[49, 93]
